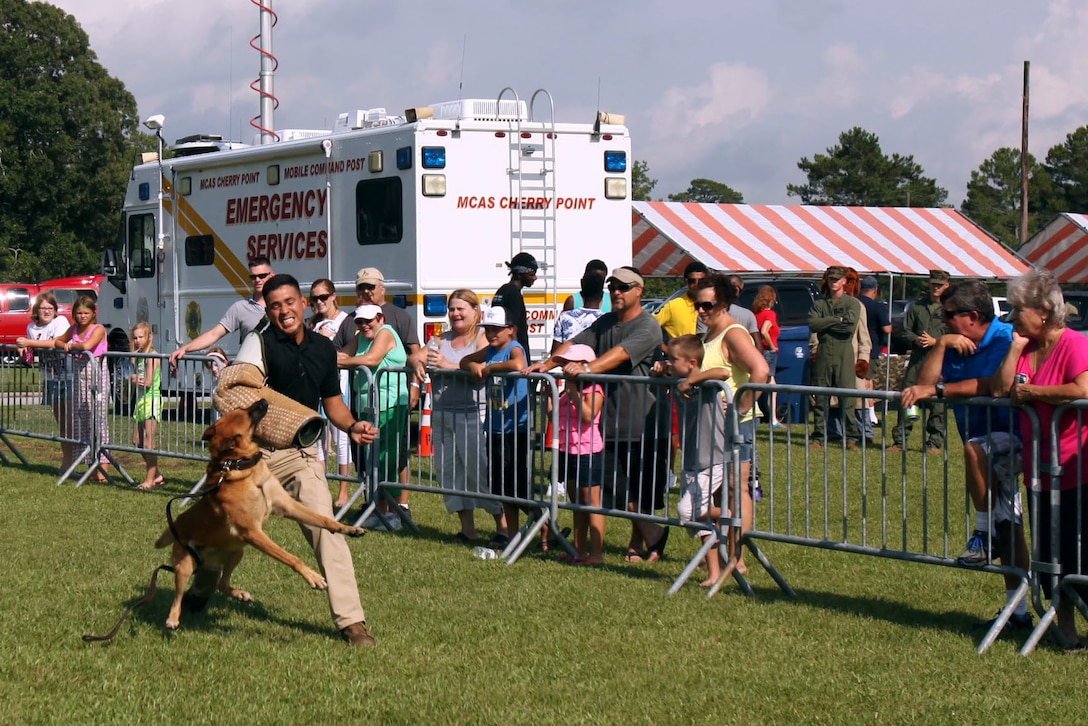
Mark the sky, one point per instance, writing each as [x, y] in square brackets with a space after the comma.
[737, 92]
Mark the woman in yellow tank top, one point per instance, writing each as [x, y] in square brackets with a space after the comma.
[730, 355]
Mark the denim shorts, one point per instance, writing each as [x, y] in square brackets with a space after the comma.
[584, 471]
[58, 391]
[744, 443]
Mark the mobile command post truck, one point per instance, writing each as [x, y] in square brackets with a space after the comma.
[437, 200]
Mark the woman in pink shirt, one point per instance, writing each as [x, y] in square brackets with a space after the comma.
[1046, 367]
[92, 385]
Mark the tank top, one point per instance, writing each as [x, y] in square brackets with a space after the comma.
[454, 392]
[714, 356]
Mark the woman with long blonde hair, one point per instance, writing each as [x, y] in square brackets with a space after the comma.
[460, 449]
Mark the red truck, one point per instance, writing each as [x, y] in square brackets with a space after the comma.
[16, 299]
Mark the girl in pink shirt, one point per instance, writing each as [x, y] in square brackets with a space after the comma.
[580, 446]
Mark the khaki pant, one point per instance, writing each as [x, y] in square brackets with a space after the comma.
[303, 476]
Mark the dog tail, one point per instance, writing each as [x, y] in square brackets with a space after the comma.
[164, 539]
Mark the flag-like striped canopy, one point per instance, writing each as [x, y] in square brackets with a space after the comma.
[796, 239]
[1061, 247]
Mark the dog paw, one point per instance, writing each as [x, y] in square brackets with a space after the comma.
[172, 623]
[354, 531]
[241, 595]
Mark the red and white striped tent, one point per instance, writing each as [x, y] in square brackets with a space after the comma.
[1061, 247]
[777, 239]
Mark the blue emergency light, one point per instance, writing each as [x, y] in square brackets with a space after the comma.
[434, 305]
[434, 157]
[615, 162]
[404, 157]
[145, 191]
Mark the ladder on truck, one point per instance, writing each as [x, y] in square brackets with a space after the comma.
[532, 176]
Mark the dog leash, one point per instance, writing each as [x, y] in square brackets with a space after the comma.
[228, 465]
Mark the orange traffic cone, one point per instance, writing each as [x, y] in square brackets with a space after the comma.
[426, 446]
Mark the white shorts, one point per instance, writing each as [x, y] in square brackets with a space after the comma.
[1004, 453]
[695, 498]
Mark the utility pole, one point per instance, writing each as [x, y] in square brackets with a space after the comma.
[1024, 165]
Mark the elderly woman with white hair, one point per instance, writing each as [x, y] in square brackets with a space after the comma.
[1047, 366]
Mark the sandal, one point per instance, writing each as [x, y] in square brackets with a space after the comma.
[656, 552]
[634, 555]
[153, 485]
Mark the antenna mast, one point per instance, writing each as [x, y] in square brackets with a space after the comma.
[264, 85]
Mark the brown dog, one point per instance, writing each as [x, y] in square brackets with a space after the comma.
[219, 525]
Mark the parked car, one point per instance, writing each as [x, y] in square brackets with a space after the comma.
[16, 300]
[67, 289]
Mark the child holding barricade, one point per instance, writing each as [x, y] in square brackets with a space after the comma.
[581, 446]
[145, 416]
[507, 423]
[702, 420]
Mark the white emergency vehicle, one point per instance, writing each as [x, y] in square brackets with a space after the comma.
[438, 199]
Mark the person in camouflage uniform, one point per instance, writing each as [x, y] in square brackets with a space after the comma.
[834, 320]
[922, 327]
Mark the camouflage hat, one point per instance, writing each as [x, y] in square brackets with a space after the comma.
[938, 276]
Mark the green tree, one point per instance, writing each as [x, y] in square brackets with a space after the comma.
[67, 133]
[993, 195]
[642, 186]
[708, 191]
[856, 172]
[1067, 163]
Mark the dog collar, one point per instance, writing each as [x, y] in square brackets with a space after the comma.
[241, 464]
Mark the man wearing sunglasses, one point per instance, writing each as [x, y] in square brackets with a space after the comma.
[678, 316]
[922, 328]
[244, 316]
[636, 430]
[960, 365]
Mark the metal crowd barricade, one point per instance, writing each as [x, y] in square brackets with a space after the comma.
[41, 402]
[1055, 574]
[915, 521]
[185, 408]
[461, 441]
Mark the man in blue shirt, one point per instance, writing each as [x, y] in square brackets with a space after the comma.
[960, 365]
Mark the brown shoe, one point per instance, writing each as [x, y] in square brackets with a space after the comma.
[933, 450]
[815, 444]
[358, 634]
[852, 446]
[895, 449]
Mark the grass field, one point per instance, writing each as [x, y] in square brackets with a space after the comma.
[464, 641]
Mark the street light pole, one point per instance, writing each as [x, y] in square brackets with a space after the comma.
[155, 123]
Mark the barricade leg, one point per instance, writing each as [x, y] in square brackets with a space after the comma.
[1003, 615]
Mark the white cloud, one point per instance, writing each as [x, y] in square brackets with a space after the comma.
[841, 87]
[690, 119]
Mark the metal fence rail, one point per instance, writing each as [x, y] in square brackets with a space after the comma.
[816, 491]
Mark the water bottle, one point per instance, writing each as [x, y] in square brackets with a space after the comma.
[1021, 378]
[432, 345]
[483, 553]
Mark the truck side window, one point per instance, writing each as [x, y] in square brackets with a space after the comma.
[141, 245]
[379, 211]
[199, 250]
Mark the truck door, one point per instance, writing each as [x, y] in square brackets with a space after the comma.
[143, 294]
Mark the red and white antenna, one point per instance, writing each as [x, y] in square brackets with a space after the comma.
[264, 84]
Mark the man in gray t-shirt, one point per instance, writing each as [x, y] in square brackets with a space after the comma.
[244, 316]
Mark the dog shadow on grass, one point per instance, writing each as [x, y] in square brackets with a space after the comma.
[214, 618]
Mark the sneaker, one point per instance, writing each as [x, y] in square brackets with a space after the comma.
[778, 426]
[976, 554]
[1016, 623]
[757, 491]
[358, 634]
[895, 449]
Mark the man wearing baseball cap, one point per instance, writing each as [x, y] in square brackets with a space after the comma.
[523, 267]
[923, 326]
[636, 430]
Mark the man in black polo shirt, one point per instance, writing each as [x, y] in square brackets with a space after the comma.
[301, 364]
